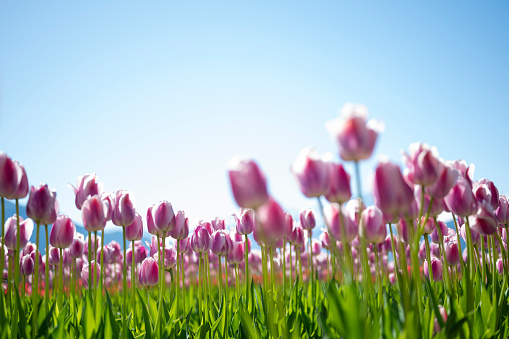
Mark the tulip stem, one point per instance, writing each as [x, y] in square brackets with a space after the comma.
[183, 284]
[90, 251]
[133, 284]
[428, 258]
[61, 296]
[220, 272]
[271, 256]
[459, 243]
[300, 265]
[163, 285]
[311, 266]
[483, 267]
[291, 267]
[124, 288]
[177, 289]
[284, 270]
[246, 266]
[226, 301]
[200, 292]
[35, 285]
[46, 272]
[470, 273]
[2, 251]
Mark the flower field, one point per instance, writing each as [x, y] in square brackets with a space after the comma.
[393, 269]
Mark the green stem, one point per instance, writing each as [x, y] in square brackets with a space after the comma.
[35, 286]
[61, 296]
[90, 251]
[124, 289]
[271, 256]
[46, 272]
[246, 266]
[183, 283]
[178, 277]
[133, 284]
[311, 267]
[220, 273]
[291, 267]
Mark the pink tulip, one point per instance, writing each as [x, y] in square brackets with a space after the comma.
[423, 166]
[436, 267]
[78, 246]
[443, 314]
[460, 200]
[289, 225]
[109, 202]
[200, 240]
[170, 258]
[149, 272]
[502, 212]
[316, 247]
[392, 194]
[447, 178]
[336, 222]
[221, 243]
[326, 240]
[124, 211]
[372, 225]
[87, 186]
[297, 235]
[437, 206]
[484, 221]
[500, 266]
[42, 206]
[248, 183]
[428, 225]
[237, 254]
[62, 232]
[493, 195]
[246, 223]
[184, 245]
[355, 137]
[312, 173]
[161, 218]
[451, 253]
[134, 231]
[181, 230]
[27, 265]
[54, 256]
[26, 228]
[272, 220]
[435, 237]
[13, 178]
[218, 224]
[406, 230]
[476, 237]
[307, 219]
[339, 184]
[94, 213]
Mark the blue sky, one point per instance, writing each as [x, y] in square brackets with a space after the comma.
[156, 97]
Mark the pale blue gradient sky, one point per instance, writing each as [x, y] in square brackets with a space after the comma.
[156, 97]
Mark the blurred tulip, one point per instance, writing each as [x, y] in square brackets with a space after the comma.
[372, 226]
[452, 253]
[436, 267]
[26, 228]
[87, 186]
[248, 183]
[181, 230]
[484, 221]
[13, 178]
[94, 213]
[443, 314]
[307, 219]
[237, 254]
[460, 200]
[338, 189]
[200, 240]
[355, 137]
[221, 243]
[447, 178]
[54, 256]
[335, 222]
[272, 220]
[502, 212]
[88, 271]
[27, 265]
[435, 236]
[423, 166]
[149, 272]
[311, 172]
[246, 222]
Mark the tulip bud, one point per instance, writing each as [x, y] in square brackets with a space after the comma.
[87, 186]
[372, 226]
[246, 222]
[221, 243]
[460, 200]
[289, 225]
[134, 231]
[13, 178]
[492, 197]
[27, 265]
[307, 219]
[444, 230]
[160, 218]
[124, 210]
[78, 246]
[452, 253]
[502, 212]
[339, 184]
[149, 272]
[94, 213]
[42, 206]
[436, 267]
[237, 254]
[26, 228]
[272, 220]
[326, 240]
[447, 178]
[297, 236]
[423, 166]
[338, 222]
[392, 194]
[355, 137]
[500, 266]
[218, 224]
[200, 240]
[54, 256]
[184, 245]
[62, 232]
[311, 173]
[484, 221]
[248, 183]
[443, 314]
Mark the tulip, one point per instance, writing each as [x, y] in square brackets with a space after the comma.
[372, 226]
[500, 266]
[162, 217]
[443, 314]
[134, 231]
[476, 237]
[355, 137]
[13, 179]
[428, 225]
[272, 220]
[325, 240]
[62, 232]
[124, 210]
[311, 173]
[307, 219]
[484, 221]
[246, 222]
[406, 231]
[149, 272]
[200, 240]
[423, 165]
[237, 253]
[54, 256]
[27, 265]
[444, 231]
[218, 224]
[221, 243]
[447, 178]
[451, 253]
[392, 194]
[248, 183]
[436, 268]
[42, 206]
[94, 212]
[502, 212]
[460, 200]
[26, 228]
[87, 186]
[338, 222]
[339, 184]
[181, 230]
[493, 192]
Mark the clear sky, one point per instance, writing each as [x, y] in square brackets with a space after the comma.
[157, 96]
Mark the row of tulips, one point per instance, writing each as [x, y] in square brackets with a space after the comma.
[390, 269]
